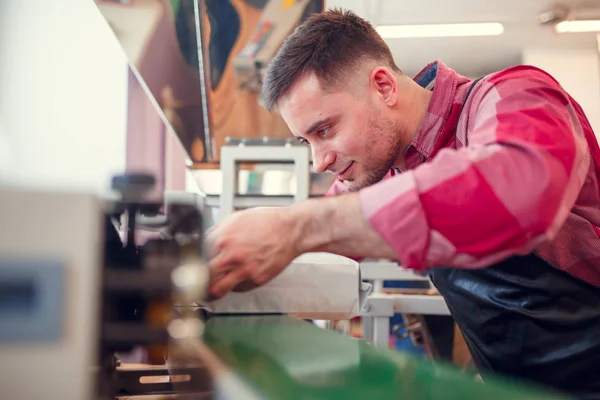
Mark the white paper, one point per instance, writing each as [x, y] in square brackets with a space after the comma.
[314, 286]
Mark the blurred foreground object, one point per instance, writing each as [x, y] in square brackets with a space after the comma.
[74, 295]
[286, 358]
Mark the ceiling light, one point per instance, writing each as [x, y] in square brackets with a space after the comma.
[592, 25]
[440, 30]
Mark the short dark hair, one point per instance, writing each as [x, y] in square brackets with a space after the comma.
[329, 44]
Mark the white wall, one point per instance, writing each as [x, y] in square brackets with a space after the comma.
[63, 95]
[577, 70]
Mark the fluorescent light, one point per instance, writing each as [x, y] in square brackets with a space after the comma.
[591, 25]
[440, 30]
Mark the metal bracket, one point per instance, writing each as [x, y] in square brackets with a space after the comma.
[385, 304]
[380, 307]
[161, 381]
[388, 271]
[377, 305]
[232, 155]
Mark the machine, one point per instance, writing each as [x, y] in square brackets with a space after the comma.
[76, 290]
[80, 289]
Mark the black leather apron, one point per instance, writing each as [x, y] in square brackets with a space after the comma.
[525, 319]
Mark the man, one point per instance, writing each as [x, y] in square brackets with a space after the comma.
[490, 186]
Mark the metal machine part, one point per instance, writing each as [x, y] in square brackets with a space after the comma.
[74, 295]
[141, 285]
[231, 156]
[426, 319]
[50, 266]
[415, 305]
[132, 382]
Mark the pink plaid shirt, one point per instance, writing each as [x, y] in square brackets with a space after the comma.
[517, 173]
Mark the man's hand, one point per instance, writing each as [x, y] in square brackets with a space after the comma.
[249, 248]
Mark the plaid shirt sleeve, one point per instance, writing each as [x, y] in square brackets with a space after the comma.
[508, 190]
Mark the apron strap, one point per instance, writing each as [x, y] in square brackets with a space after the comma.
[475, 82]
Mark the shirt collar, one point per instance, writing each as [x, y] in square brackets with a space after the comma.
[443, 81]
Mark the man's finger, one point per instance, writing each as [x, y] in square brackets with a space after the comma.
[222, 262]
[212, 233]
[216, 277]
[228, 282]
[246, 285]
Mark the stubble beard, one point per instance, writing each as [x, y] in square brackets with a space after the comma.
[378, 168]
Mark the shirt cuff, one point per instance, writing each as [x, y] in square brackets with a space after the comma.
[394, 211]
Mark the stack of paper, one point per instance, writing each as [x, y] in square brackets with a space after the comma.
[314, 286]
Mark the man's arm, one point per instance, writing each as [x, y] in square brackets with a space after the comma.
[335, 225]
[345, 210]
[505, 193]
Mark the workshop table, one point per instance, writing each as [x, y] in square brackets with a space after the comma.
[286, 358]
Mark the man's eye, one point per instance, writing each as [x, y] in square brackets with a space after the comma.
[304, 142]
[323, 131]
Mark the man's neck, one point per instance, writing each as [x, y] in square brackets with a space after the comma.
[413, 112]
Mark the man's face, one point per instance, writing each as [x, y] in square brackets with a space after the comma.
[351, 133]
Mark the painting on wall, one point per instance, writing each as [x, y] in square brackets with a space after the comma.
[189, 57]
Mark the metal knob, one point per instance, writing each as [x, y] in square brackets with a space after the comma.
[133, 187]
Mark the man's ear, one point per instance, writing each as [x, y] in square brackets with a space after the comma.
[385, 84]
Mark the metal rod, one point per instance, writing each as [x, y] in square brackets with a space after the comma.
[202, 73]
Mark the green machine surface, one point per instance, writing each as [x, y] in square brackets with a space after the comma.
[286, 358]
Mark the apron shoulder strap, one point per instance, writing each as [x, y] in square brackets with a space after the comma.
[475, 82]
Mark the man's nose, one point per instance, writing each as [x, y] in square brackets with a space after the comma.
[322, 160]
